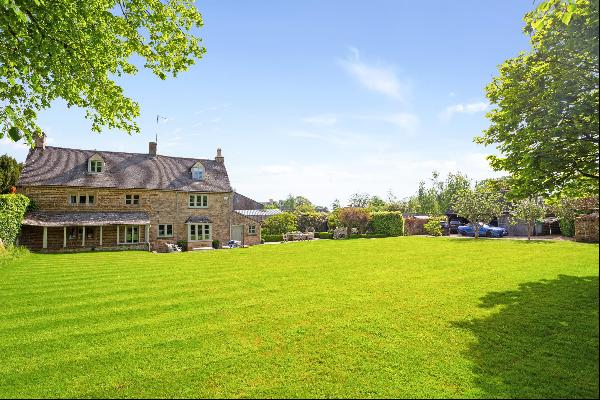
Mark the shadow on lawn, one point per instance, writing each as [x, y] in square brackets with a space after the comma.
[542, 343]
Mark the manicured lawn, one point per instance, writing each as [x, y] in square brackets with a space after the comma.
[397, 317]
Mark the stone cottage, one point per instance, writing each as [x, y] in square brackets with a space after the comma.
[103, 200]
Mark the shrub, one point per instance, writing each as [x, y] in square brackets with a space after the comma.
[376, 235]
[567, 227]
[273, 238]
[324, 235]
[216, 244]
[311, 220]
[433, 228]
[279, 224]
[387, 223]
[12, 210]
[183, 244]
[352, 217]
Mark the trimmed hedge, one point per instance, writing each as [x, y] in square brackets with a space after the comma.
[387, 223]
[12, 210]
[273, 238]
[323, 235]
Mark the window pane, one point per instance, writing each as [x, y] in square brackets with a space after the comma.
[82, 199]
[136, 199]
[135, 234]
[191, 201]
[204, 201]
[161, 230]
[73, 199]
[91, 199]
[170, 230]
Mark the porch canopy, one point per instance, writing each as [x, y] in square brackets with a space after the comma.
[68, 218]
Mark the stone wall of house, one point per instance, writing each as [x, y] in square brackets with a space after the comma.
[248, 239]
[162, 206]
[586, 228]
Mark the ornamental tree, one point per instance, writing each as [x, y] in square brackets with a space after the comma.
[354, 217]
[529, 211]
[10, 170]
[545, 116]
[280, 224]
[478, 205]
[75, 50]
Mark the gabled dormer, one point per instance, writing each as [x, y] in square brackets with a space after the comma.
[198, 171]
[95, 164]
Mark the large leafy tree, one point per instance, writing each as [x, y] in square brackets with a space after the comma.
[528, 210]
[545, 119]
[10, 170]
[75, 49]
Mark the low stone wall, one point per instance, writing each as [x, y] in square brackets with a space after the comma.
[586, 228]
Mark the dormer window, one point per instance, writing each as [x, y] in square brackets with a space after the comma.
[95, 164]
[197, 172]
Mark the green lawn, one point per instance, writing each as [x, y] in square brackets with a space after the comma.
[397, 317]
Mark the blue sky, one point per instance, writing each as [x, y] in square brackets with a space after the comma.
[323, 98]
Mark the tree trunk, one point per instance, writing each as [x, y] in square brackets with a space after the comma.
[476, 227]
[528, 230]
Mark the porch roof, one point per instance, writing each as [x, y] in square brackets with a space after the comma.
[196, 219]
[41, 218]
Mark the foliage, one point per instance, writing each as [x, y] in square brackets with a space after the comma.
[545, 123]
[183, 244]
[567, 209]
[335, 205]
[280, 224]
[528, 210]
[354, 217]
[389, 223]
[12, 210]
[433, 227]
[359, 200]
[434, 318]
[376, 203]
[324, 235]
[76, 50]
[311, 220]
[478, 205]
[10, 170]
[333, 220]
[216, 244]
[273, 238]
[567, 227]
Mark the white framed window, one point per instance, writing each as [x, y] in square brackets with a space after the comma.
[252, 229]
[198, 172]
[132, 234]
[165, 230]
[89, 199]
[198, 201]
[132, 199]
[199, 232]
[95, 166]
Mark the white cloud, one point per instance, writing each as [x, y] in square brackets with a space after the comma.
[406, 121]
[380, 79]
[469, 108]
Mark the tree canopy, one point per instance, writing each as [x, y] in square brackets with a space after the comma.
[545, 119]
[74, 50]
[10, 170]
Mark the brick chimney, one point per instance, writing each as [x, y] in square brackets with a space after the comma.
[152, 148]
[40, 141]
[219, 157]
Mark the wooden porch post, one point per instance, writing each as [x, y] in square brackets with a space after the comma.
[83, 237]
[117, 235]
[45, 238]
[100, 235]
[65, 236]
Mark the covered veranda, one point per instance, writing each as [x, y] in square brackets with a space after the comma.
[56, 231]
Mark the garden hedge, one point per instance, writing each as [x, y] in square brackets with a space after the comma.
[12, 210]
[388, 223]
[273, 238]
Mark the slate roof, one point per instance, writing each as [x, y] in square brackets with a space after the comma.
[69, 218]
[57, 166]
[241, 202]
[258, 215]
[198, 219]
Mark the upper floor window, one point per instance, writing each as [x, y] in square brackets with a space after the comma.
[132, 199]
[95, 164]
[197, 172]
[82, 199]
[198, 201]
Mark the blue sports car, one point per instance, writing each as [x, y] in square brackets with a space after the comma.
[484, 230]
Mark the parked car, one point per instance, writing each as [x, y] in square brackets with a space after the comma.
[454, 224]
[484, 230]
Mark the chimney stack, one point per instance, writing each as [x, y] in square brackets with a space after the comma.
[40, 141]
[152, 148]
[219, 157]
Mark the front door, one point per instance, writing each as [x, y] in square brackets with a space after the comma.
[237, 232]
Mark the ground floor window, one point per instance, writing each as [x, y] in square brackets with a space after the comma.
[199, 232]
[132, 234]
[252, 229]
[165, 230]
